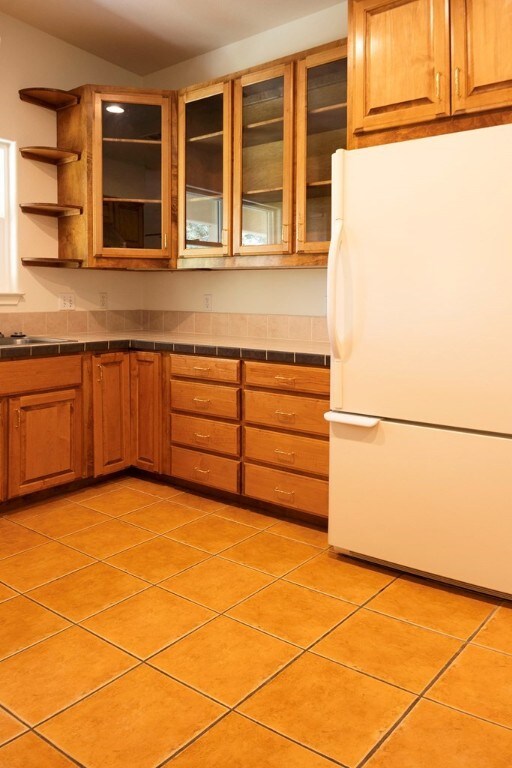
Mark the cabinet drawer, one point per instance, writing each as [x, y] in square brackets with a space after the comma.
[306, 454]
[214, 368]
[214, 471]
[297, 378]
[206, 399]
[288, 412]
[20, 376]
[206, 434]
[303, 493]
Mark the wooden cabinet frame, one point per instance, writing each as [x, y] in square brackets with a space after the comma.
[186, 97]
[286, 246]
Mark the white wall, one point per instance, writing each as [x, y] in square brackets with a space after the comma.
[29, 57]
[291, 292]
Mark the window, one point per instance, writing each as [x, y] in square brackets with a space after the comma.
[8, 233]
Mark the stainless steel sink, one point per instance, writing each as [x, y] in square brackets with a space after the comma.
[22, 340]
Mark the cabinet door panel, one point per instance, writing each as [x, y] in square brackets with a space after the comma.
[111, 407]
[263, 162]
[204, 171]
[45, 440]
[321, 130]
[146, 401]
[400, 62]
[481, 55]
[131, 179]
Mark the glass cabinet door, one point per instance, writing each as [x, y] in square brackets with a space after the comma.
[204, 171]
[321, 130]
[263, 162]
[131, 176]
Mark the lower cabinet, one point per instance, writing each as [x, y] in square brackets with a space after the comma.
[146, 410]
[286, 446]
[111, 412]
[45, 440]
[205, 421]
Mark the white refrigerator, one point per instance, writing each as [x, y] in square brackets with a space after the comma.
[420, 326]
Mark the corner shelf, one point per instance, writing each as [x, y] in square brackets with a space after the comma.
[34, 261]
[51, 155]
[51, 209]
[49, 98]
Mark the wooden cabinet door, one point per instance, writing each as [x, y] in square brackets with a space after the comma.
[321, 130]
[131, 179]
[111, 412]
[45, 440]
[146, 410]
[400, 62]
[481, 54]
[204, 171]
[263, 162]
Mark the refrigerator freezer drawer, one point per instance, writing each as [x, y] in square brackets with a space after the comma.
[433, 500]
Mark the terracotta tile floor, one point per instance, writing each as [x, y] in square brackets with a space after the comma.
[145, 627]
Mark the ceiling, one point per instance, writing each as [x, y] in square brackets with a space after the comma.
[144, 36]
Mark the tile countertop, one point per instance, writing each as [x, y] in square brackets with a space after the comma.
[272, 350]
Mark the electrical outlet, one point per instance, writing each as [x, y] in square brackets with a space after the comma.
[103, 300]
[66, 301]
[207, 302]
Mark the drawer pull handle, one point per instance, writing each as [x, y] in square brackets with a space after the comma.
[288, 454]
[286, 493]
[201, 437]
[286, 414]
[205, 368]
[202, 471]
[201, 400]
[291, 379]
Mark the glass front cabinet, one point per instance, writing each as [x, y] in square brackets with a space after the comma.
[263, 162]
[131, 177]
[321, 130]
[204, 173]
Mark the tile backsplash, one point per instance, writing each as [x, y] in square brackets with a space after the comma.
[251, 326]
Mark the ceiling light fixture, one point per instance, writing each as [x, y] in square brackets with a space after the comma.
[115, 108]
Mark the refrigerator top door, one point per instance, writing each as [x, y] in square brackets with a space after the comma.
[426, 298]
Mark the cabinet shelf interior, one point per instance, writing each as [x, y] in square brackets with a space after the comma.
[108, 199]
[208, 138]
[132, 141]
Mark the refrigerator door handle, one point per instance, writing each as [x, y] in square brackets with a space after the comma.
[351, 419]
[332, 279]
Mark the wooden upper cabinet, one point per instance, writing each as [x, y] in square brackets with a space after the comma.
[122, 180]
[204, 171]
[321, 130]
[400, 71]
[481, 54]
[263, 162]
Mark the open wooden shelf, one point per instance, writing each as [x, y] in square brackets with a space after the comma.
[52, 155]
[49, 98]
[29, 261]
[51, 209]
